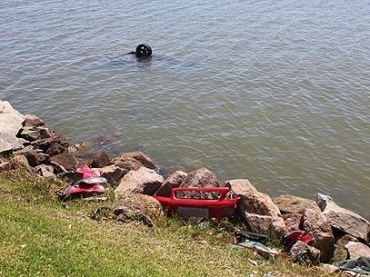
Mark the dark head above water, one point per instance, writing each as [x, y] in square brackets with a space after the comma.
[143, 51]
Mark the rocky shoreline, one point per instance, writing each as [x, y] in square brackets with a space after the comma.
[338, 235]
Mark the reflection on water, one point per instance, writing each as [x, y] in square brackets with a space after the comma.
[273, 91]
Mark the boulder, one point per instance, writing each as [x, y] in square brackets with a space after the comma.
[66, 160]
[100, 159]
[293, 222]
[342, 219]
[173, 181]
[304, 254]
[357, 249]
[293, 204]
[202, 177]
[257, 208]
[315, 223]
[111, 172]
[33, 156]
[33, 121]
[134, 161]
[340, 250]
[10, 124]
[143, 180]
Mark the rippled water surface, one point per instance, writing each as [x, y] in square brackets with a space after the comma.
[273, 91]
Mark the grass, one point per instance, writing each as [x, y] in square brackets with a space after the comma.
[42, 237]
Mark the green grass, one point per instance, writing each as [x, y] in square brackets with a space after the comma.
[42, 237]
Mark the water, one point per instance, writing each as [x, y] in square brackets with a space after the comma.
[273, 91]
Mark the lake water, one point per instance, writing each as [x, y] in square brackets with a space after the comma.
[274, 91]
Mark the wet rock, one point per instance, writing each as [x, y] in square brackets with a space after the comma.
[173, 181]
[143, 180]
[342, 219]
[304, 254]
[258, 209]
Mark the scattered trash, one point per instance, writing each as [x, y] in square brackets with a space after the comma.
[206, 208]
[361, 265]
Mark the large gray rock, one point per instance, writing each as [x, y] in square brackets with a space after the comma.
[10, 124]
[257, 208]
[293, 204]
[173, 181]
[315, 223]
[304, 254]
[357, 249]
[143, 180]
[342, 219]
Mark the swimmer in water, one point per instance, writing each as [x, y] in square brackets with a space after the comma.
[143, 51]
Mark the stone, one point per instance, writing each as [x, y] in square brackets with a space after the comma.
[10, 124]
[340, 250]
[357, 249]
[143, 180]
[100, 159]
[202, 177]
[304, 254]
[257, 208]
[315, 223]
[343, 220]
[293, 204]
[134, 160]
[173, 181]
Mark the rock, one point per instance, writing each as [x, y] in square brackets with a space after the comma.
[173, 181]
[100, 159]
[111, 172]
[20, 161]
[340, 250]
[10, 124]
[33, 121]
[33, 156]
[304, 254]
[261, 214]
[134, 161]
[293, 204]
[342, 219]
[145, 203]
[357, 249]
[66, 160]
[202, 177]
[315, 223]
[293, 222]
[44, 170]
[143, 180]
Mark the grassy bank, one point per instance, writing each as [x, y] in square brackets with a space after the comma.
[41, 237]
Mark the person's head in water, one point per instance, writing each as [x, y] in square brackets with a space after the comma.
[143, 51]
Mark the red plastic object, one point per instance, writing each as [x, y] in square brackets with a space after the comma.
[190, 207]
[300, 235]
[91, 184]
